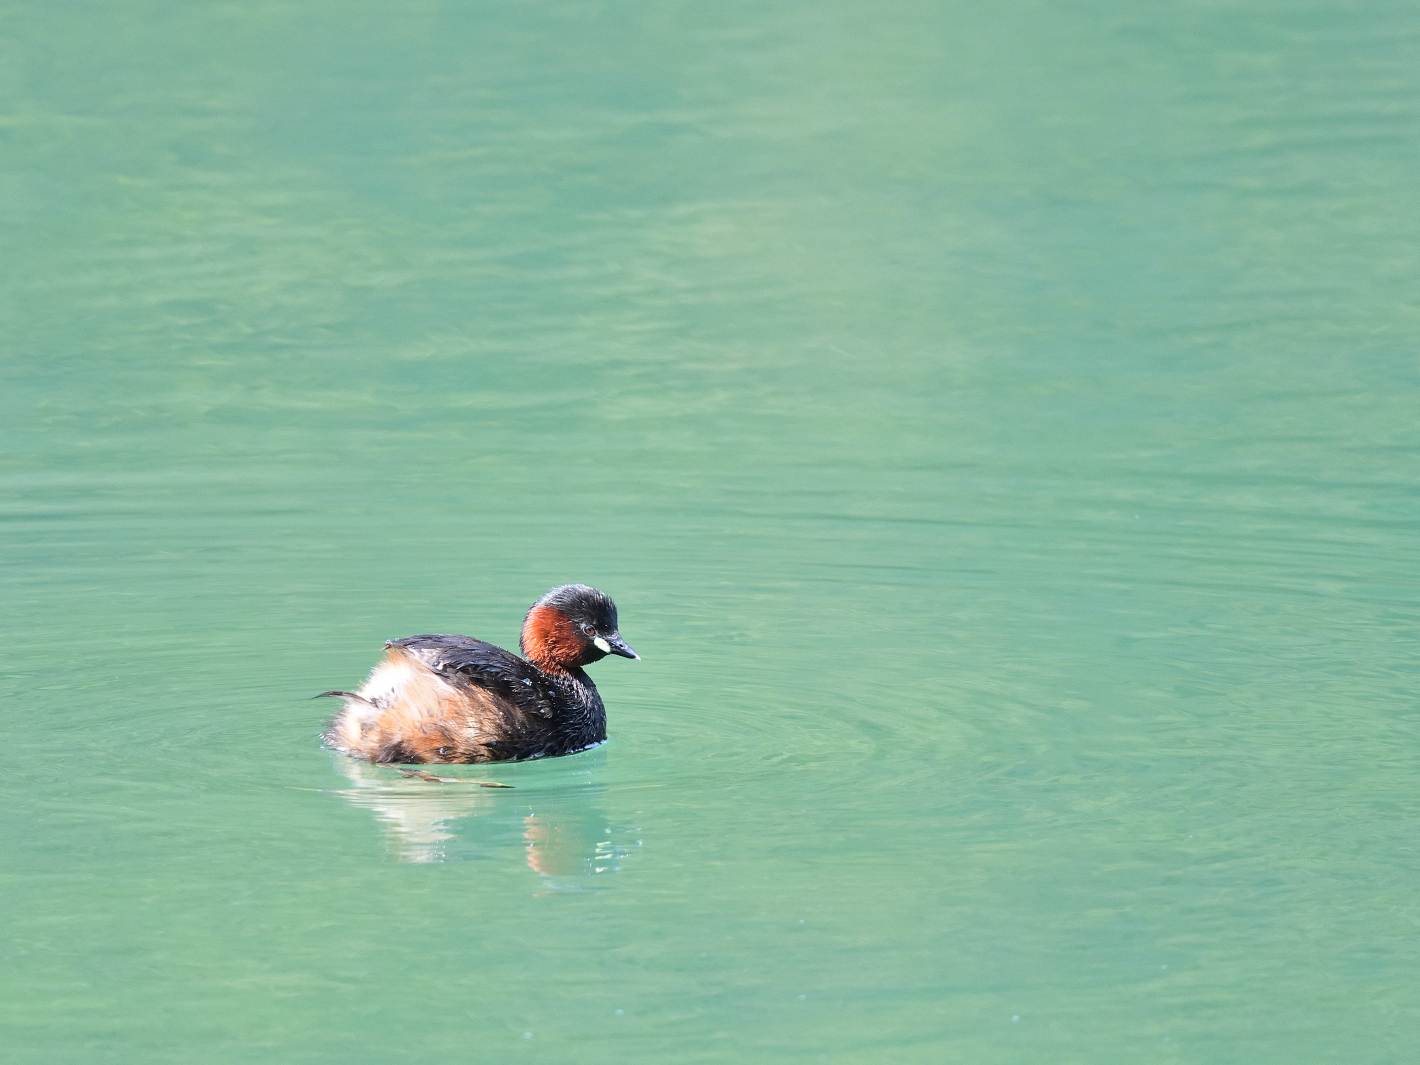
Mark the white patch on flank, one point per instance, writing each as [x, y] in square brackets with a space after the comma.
[386, 685]
[602, 646]
[588, 747]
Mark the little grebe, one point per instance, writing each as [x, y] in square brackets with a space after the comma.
[457, 699]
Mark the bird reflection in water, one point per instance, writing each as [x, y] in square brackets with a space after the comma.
[563, 834]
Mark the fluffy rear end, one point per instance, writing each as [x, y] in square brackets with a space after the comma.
[406, 713]
[399, 699]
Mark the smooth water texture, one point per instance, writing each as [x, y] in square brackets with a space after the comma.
[997, 424]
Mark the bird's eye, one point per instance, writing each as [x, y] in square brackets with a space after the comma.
[588, 629]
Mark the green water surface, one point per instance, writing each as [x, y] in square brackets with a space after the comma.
[997, 423]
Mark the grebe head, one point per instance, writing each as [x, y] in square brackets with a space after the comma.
[572, 626]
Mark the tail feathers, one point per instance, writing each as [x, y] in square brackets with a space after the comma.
[343, 695]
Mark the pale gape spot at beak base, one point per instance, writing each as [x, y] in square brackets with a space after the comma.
[602, 645]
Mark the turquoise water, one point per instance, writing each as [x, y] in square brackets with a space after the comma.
[997, 425]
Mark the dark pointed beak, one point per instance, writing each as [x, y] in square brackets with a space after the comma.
[618, 647]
